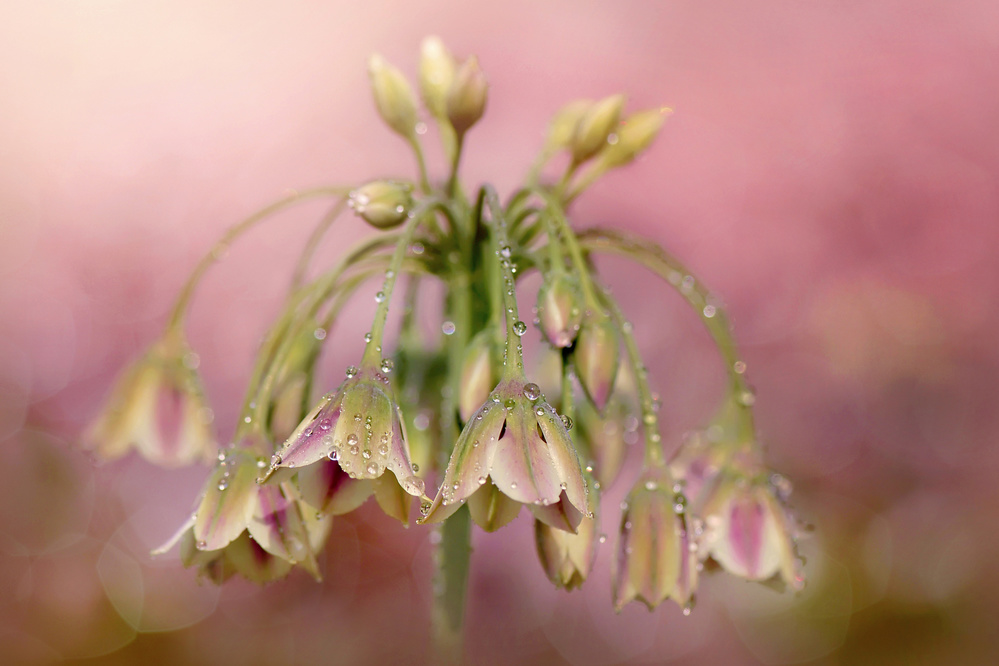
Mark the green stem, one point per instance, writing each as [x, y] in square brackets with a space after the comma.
[373, 350]
[298, 277]
[421, 164]
[451, 586]
[556, 214]
[176, 320]
[650, 418]
[513, 366]
[674, 273]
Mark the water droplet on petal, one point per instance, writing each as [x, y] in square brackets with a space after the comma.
[351, 371]
[532, 391]
[566, 421]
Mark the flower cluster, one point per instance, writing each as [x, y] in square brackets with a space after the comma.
[461, 416]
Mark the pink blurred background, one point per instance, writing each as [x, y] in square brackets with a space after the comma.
[830, 169]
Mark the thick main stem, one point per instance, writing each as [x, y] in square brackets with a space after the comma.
[451, 558]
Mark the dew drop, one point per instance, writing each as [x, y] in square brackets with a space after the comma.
[367, 336]
[319, 333]
[372, 468]
[380, 297]
[739, 367]
[513, 485]
[519, 328]
[325, 424]
[333, 455]
[482, 480]
[366, 454]
[747, 398]
[566, 421]
[532, 391]
[602, 538]
[447, 328]
[387, 365]
[651, 485]
[202, 544]
[709, 311]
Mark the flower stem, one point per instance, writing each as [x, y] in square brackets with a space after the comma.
[232, 233]
[313, 242]
[697, 296]
[451, 586]
[373, 350]
[650, 418]
[514, 360]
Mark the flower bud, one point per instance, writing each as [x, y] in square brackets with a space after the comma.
[383, 204]
[393, 96]
[596, 357]
[593, 128]
[635, 134]
[437, 71]
[567, 558]
[478, 376]
[563, 125]
[603, 436]
[558, 308]
[466, 99]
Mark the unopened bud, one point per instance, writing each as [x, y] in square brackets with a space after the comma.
[596, 356]
[383, 204]
[477, 375]
[466, 100]
[558, 309]
[393, 96]
[595, 126]
[437, 70]
[563, 125]
[634, 136]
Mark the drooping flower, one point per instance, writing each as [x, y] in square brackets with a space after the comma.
[749, 530]
[158, 408]
[567, 558]
[242, 526]
[654, 560]
[514, 451]
[360, 426]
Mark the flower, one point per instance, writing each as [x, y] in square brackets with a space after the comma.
[478, 373]
[383, 204]
[158, 408]
[360, 426]
[515, 450]
[241, 526]
[748, 529]
[594, 127]
[567, 558]
[466, 96]
[654, 561]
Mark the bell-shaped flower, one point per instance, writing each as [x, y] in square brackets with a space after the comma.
[361, 427]
[238, 517]
[567, 558]
[655, 560]
[514, 451]
[559, 310]
[158, 408]
[748, 529]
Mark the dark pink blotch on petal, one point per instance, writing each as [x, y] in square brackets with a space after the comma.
[746, 525]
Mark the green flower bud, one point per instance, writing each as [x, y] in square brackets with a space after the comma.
[466, 99]
[382, 204]
[593, 128]
[634, 136]
[393, 96]
[437, 71]
[563, 125]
